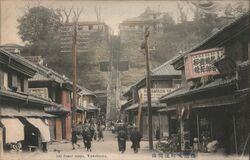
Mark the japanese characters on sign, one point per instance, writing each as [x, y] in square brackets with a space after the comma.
[200, 64]
[40, 92]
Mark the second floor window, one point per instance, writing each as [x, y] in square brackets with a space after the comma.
[9, 80]
[20, 84]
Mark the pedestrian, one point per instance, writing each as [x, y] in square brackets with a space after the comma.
[100, 133]
[135, 137]
[74, 138]
[86, 136]
[88, 141]
[92, 130]
[157, 134]
[122, 137]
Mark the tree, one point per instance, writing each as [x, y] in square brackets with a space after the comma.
[38, 24]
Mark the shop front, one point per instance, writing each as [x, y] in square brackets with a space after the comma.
[214, 118]
[23, 133]
[132, 112]
[13, 133]
[56, 125]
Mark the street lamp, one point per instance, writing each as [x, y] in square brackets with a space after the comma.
[144, 46]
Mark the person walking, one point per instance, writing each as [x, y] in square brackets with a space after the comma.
[135, 137]
[88, 141]
[157, 134]
[122, 137]
[100, 133]
[74, 138]
[92, 130]
[86, 136]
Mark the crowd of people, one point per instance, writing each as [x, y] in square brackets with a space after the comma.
[91, 130]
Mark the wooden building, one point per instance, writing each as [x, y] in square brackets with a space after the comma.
[213, 101]
[87, 100]
[22, 117]
[164, 79]
[51, 85]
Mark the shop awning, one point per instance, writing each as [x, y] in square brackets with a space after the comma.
[43, 128]
[154, 105]
[91, 108]
[162, 110]
[78, 108]
[133, 106]
[14, 130]
[211, 103]
[183, 92]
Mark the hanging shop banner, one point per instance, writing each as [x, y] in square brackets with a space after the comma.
[41, 92]
[183, 112]
[156, 93]
[200, 64]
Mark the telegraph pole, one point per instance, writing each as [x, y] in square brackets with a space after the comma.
[148, 83]
[74, 55]
[74, 73]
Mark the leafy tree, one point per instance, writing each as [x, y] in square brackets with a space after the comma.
[39, 23]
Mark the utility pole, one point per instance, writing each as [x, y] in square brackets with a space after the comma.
[148, 83]
[74, 76]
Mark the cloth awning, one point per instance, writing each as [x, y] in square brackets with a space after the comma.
[43, 128]
[14, 130]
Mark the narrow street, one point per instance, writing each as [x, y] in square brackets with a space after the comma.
[107, 149]
[171, 76]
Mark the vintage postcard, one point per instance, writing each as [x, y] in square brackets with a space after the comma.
[124, 79]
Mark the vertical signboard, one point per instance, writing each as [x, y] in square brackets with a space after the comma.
[200, 64]
[1, 142]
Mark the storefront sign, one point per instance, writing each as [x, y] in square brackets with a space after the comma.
[41, 92]
[156, 93]
[200, 64]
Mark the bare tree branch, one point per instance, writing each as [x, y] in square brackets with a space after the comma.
[67, 14]
[77, 14]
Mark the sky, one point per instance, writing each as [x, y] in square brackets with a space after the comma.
[112, 12]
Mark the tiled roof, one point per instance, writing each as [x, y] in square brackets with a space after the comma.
[19, 59]
[85, 91]
[45, 73]
[39, 77]
[165, 69]
[154, 105]
[26, 97]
